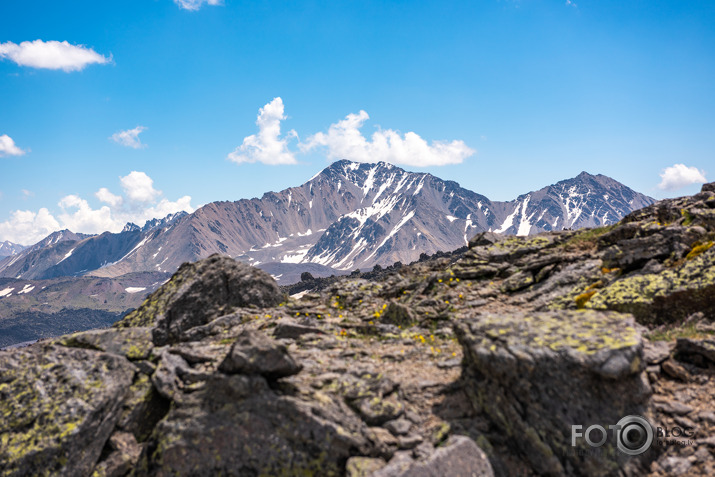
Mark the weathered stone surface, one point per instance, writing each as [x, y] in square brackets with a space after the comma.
[255, 353]
[58, 406]
[459, 456]
[133, 343]
[237, 425]
[697, 351]
[655, 352]
[122, 459]
[292, 330]
[535, 375]
[199, 292]
[363, 466]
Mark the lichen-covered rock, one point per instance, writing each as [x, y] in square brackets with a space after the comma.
[237, 425]
[58, 407]
[133, 343]
[459, 456]
[666, 297]
[535, 375]
[201, 291]
[255, 353]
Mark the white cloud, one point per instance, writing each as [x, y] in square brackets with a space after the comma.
[107, 197]
[345, 141]
[8, 147]
[129, 138]
[139, 187]
[678, 176]
[84, 218]
[53, 55]
[140, 203]
[267, 146]
[26, 194]
[194, 5]
[27, 227]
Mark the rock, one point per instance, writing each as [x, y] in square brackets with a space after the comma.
[133, 343]
[674, 407]
[696, 351]
[459, 456]
[655, 352]
[399, 427]
[667, 297]
[256, 353]
[709, 187]
[363, 466]
[123, 457]
[485, 238]
[200, 292]
[409, 441]
[675, 465]
[237, 425]
[398, 315]
[674, 370]
[707, 416]
[291, 330]
[535, 375]
[377, 410]
[59, 407]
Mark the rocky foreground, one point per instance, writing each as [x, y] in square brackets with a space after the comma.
[480, 367]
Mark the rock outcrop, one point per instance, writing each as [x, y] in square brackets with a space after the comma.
[474, 367]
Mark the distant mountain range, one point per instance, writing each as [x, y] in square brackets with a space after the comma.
[8, 248]
[350, 215]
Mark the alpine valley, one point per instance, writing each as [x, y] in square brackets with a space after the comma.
[348, 216]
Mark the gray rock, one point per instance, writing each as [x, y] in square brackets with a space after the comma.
[237, 425]
[655, 352]
[289, 329]
[459, 456]
[675, 465]
[399, 427]
[697, 351]
[255, 353]
[535, 375]
[133, 343]
[363, 466]
[59, 407]
[674, 407]
[200, 292]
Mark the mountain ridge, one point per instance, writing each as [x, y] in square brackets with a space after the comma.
[349, 215]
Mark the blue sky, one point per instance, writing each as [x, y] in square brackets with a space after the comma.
[150, 105]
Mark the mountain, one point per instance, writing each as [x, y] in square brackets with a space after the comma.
[66, 253]
[350, 215]
[8, 248]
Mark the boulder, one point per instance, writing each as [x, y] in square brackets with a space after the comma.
[200, 292]
[535, 375]
[459, 456]
[59, 406]
[255, 353]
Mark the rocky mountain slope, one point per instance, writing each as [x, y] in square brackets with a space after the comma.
[477, 367]
[66, 253]
[36, 309]
[8, 248]
[350, 215]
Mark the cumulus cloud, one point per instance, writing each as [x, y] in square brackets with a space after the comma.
[129, 138]
[345, 141]
[53, 55]
[27, 227]
[8, 147]
[267, 146]
[139, 187]
[139, 203]
[678, 176]
[78, 216]
[104, 195]
[194, 5]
